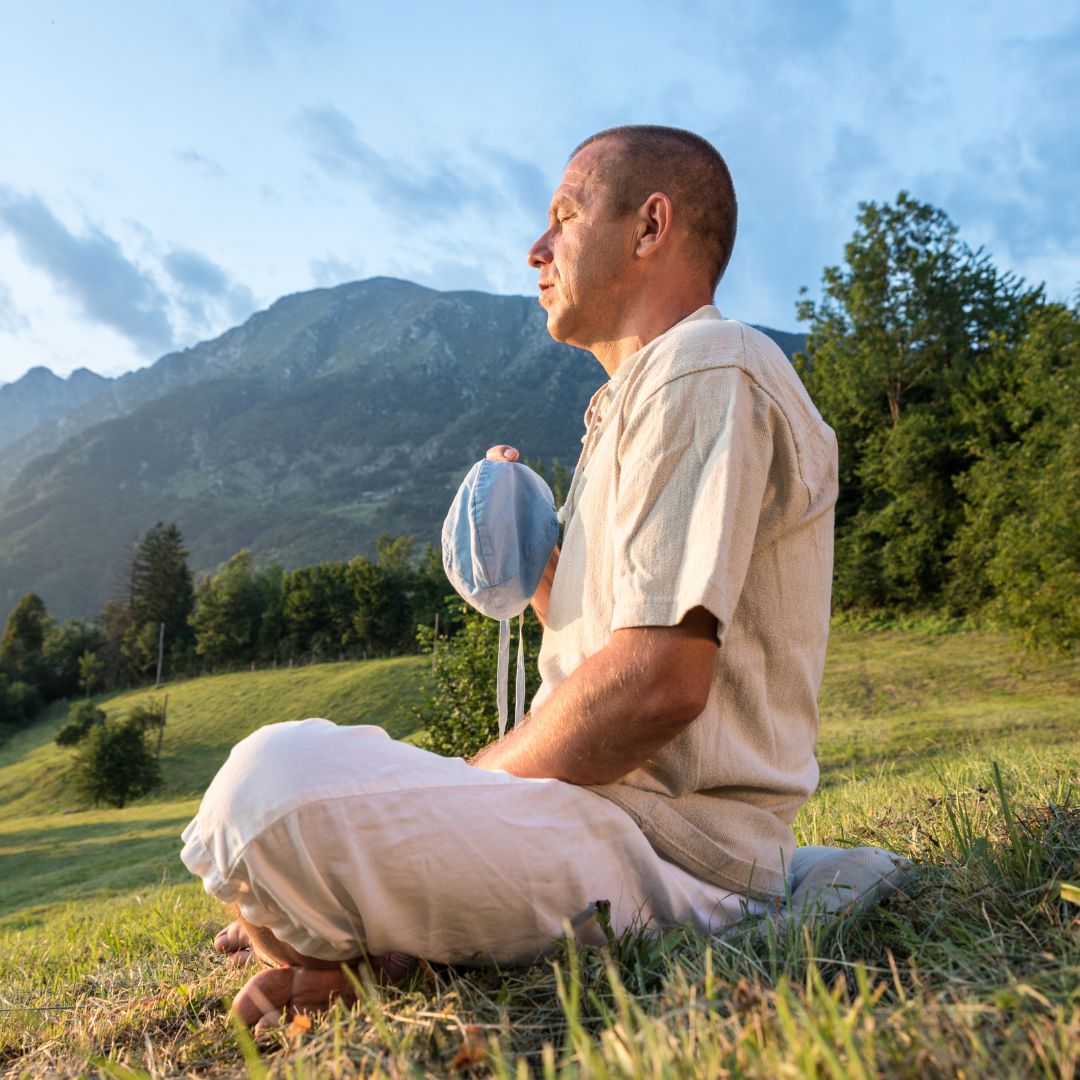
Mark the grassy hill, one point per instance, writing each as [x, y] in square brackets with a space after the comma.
[52, 851]
[104, 943]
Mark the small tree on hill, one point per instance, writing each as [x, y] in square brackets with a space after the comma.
[83, 717]
[150, 716]
[115, 764]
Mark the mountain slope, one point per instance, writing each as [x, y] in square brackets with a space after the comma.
[331, 417]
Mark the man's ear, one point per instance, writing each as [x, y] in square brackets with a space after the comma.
[654, 224]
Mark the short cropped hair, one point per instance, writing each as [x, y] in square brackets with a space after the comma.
[686, 168]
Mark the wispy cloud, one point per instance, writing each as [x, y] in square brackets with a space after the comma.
[263, 30]
[854, 154]
[336, 146]
[522, 180]
[206, 292]
[207, 166]
[12, 320]
[91, 269]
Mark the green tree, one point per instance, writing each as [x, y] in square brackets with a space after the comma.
[318, 608]
[1018, 549]
[557, 477]
[114, 764]
[460, 714]
[24, 638]
[19, 704]
[91, 671]
[65, 645]
[115, 621]
[382, 614]
[229, 610]
[273, 626]
[899, 335]
[161, 592]
[83, 717]
[150, 714]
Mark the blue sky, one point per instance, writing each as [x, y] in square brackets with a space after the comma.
[168, 168]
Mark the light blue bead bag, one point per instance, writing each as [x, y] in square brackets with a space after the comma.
[496, 541]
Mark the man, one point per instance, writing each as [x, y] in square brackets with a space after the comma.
[672, 739]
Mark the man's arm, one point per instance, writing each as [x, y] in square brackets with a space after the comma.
[618, 707]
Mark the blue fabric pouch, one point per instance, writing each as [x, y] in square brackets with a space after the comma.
[496, 540]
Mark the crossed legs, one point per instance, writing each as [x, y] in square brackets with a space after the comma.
[341, 846]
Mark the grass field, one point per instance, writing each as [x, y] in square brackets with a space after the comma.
[105, 966]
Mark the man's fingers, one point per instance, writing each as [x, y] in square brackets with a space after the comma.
[502, 452]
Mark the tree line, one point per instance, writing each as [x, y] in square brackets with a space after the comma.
[235, 617]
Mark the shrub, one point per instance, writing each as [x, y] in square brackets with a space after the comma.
[461, 714]
[83, 717]
[114, 764]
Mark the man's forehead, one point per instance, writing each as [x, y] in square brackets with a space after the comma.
[585, 172]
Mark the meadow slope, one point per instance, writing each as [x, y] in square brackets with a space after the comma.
[950, 748]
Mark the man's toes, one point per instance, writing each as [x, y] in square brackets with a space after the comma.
[232, 939]
[264, 997]
[240, 959]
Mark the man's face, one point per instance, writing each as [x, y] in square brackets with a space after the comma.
[585, 256]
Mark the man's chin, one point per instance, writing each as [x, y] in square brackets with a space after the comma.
[558, 326]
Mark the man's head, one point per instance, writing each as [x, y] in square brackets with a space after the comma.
[638, 206]
[689, 170]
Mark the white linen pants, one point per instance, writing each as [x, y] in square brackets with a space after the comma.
[341, 840]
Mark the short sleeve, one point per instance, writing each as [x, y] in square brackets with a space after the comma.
[693, 471]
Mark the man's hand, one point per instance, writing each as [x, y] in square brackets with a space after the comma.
[617, 708]
[502, 452]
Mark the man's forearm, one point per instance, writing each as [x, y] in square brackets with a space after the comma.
[615, 709]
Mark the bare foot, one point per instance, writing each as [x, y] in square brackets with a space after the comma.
[235, 943]
[233, 938]
[278, 994]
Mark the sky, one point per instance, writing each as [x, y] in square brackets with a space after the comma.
[168, 168]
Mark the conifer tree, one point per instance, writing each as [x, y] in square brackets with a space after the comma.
[161, 592]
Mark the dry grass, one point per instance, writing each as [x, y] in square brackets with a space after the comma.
[973, 971]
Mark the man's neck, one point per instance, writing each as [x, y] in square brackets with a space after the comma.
[645, 325]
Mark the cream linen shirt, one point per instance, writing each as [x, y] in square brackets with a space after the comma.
[708, 479]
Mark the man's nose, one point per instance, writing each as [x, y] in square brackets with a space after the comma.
[540, 253]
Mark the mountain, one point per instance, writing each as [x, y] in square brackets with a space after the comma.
[40, 397]
[333, 416]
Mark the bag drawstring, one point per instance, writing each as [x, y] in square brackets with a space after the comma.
[502, 676]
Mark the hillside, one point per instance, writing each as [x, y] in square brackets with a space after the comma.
[335, 415]
[104, 938]
[206, 717]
